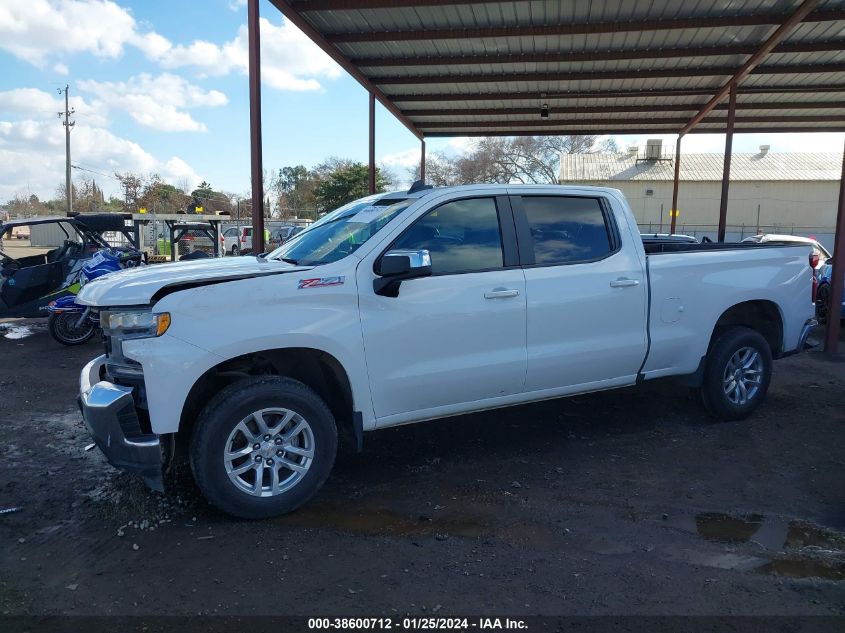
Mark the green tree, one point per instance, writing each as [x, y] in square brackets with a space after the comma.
[341, 181]
[294, 190]
[162, 197]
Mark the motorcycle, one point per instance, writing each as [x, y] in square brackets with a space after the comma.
[73, 324]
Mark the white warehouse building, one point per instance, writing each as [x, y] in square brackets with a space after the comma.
[794, 193]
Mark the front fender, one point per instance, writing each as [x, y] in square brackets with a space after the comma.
[212, 324]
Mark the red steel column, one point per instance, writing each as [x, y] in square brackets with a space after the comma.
[673, 211]
[837, 279]
[257, 168]
[726, 171]
[422, 160]
[372, 172]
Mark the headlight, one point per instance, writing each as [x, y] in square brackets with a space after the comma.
[134, 323]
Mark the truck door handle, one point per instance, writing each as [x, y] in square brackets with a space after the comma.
[501, 293]
[624, 282]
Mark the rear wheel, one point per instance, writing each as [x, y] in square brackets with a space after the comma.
[263, 446]
[63, 327]
[737, 373]
[236, 251]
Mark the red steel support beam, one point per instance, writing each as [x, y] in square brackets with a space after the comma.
[558, 56]
[609, 122]
[682, 107]
[355, 5]
[751, 64]
[257, 169]
[636, 130]
[674, 209]
[615, 94]
[837, 276]
[422, 160]
[371, 175]
[726, 170]
[404, 79]
[574, 28]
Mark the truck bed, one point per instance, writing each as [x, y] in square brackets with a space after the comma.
[657, 248]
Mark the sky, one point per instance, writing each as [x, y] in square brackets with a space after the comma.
[160, 86]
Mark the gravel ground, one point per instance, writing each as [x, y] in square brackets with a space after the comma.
[625, 502]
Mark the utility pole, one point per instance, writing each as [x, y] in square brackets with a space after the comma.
[68, 124]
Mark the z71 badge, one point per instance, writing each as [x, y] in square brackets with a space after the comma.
[322, 282]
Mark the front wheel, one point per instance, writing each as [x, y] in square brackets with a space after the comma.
[63, 327]
[263, 446]
[737, 373]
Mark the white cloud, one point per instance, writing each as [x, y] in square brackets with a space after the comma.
[61, 68]
[236, 5]
[40, 31]
[406, 159]
[32, 157]
[35, 104]
[289, 60]
[156, 102]
[35, 30]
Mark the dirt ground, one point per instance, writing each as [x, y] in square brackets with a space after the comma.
[626, 502]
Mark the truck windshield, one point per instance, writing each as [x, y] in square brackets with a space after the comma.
[339, 233]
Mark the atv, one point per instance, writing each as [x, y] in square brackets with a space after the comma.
[47, 266]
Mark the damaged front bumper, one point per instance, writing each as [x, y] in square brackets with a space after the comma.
[112, 420]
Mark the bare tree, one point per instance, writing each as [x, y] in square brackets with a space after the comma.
[526, 159]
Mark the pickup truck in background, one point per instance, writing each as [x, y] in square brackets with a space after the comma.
[405, 307]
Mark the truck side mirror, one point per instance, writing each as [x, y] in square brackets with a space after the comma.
[396, 266]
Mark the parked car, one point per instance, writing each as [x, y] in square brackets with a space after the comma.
[281, 235]
[823, 294]
[772, 238]
[410, 306]
[237, 239]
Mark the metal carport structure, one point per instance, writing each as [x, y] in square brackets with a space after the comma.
[547, 67]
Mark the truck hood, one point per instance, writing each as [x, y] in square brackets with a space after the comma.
[139, 286]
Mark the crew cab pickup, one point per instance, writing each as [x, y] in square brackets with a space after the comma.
[405, 307]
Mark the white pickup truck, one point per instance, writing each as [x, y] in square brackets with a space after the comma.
[404, 307]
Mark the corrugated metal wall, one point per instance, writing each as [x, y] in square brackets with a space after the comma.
[799, 208]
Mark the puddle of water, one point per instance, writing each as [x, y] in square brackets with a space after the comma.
[724, 528]
[798, 549]
[804, 568]
[15, 332]
[803, 534]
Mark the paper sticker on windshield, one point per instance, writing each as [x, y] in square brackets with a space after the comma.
[322, 282]
[367, 215]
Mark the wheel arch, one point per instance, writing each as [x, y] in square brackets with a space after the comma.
[318, 369]
[761, 315]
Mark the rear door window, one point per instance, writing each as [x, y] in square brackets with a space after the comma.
[567, 230]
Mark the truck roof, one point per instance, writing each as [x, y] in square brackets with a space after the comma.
[502, 187]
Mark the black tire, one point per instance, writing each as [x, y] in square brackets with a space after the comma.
[823, 302]
[235, 251]
[61, 328]
[722, 351]
[226, 411]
